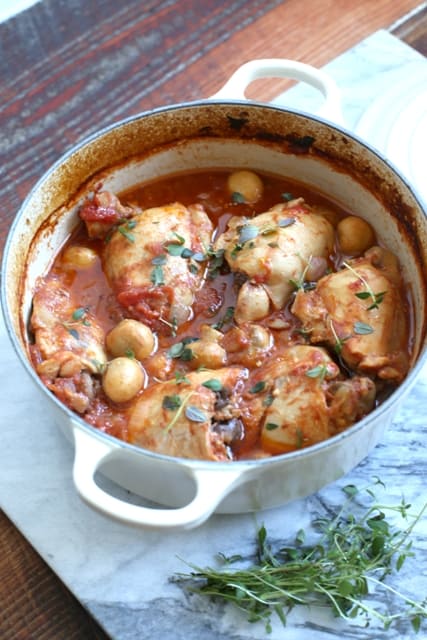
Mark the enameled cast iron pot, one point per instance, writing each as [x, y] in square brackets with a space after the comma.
[219, 133]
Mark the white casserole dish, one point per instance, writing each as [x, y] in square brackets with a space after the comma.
[231, 133]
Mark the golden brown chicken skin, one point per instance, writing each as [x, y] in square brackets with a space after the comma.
[305, 399]
[198, 419]
[155, 262]
[274, 250]
[360, 312]
[69, 344]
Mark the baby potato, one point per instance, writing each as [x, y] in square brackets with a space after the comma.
[130, 337]
[79, 257]
[122, 379]
[247, 183]
[355, 235]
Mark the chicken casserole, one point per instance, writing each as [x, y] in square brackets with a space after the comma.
[221, 315]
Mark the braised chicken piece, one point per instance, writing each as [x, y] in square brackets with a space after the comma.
[360, 313]
[196, 419]
[103, 212]
[275, 251]
[248, 344]
[154, 263]
[69, 343]
[305, 401]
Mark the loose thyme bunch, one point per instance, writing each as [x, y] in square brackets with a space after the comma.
[352, 553]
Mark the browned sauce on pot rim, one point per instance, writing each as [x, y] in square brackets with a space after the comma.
[284, 327]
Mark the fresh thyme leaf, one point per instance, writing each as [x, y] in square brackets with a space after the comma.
[376, 298]
[157, 277]
[181, 378]
[363, 295]
[259, 386]
[287, 196]
[270, 426]
[237, 198]
[300, 283]
[180, 239]
[198, 256]
[237, 247]
[124, 230]
[100, 366]
[171, 402]
[73, 332]
[286, 222]
[174, 249]
[268, 400]
[353, 552]
[79, 314]
[247, 232]
[228, 316]
[317, 372]
[130, 354]
[339, 342]
[186, 354]
[216, 260]
[362, 329]
[194, 414]
[159, 260]
[213, 384]
[175, 350]
[350, 490]
[178, 413]
[180, 349]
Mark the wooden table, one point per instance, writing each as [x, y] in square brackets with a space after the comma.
[67, 69]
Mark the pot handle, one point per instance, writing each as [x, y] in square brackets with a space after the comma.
[235, 87]
[211, 487]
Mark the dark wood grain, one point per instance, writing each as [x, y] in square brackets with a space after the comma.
[414, 30]
[35, 605]
[69, 67]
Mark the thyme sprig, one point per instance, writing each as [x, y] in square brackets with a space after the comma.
[301, 283]
[352, 553]
[339, 342]
[78, 317]
[376, 298]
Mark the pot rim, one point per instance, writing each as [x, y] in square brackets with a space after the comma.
[115, 442]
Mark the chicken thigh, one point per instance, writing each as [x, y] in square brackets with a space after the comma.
[198, 419]
[69, 344]
[276, 251]
[360, 312]
[154, 263]
[305, 401]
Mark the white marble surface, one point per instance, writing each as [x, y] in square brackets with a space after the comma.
[10, 8]
[122, 575]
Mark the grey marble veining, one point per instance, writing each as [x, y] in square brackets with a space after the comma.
[123, 575]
